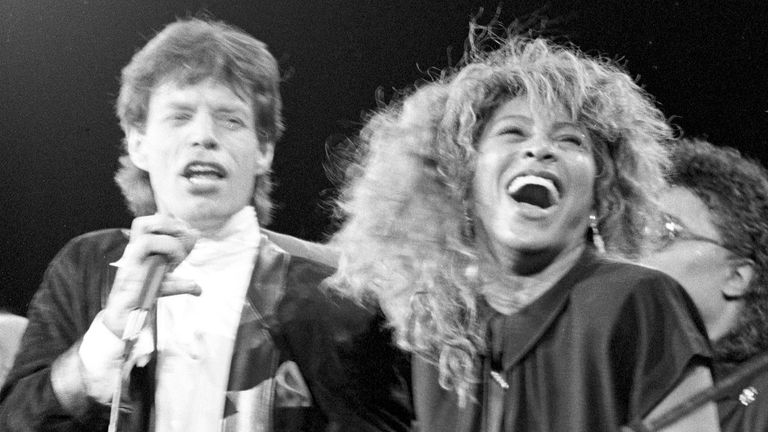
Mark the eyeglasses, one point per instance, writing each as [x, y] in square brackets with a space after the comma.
[671, 230]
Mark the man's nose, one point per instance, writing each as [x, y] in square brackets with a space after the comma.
[204, 132]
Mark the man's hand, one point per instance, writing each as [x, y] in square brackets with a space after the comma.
[156, 234]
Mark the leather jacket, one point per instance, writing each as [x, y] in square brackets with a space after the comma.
[305, 358]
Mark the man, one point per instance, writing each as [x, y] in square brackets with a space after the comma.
[714, 241]
[11, 328]
[242, 338]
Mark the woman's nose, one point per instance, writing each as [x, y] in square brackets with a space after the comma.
[540, 149]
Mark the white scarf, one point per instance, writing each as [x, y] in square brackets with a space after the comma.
[196, 334]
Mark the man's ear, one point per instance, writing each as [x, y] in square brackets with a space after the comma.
[136, 151]
[264, 157]
[742, 273]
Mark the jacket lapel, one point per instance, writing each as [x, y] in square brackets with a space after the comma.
[250, 392]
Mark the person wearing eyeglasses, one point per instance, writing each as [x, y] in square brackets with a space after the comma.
[713, 239]
[468, 221]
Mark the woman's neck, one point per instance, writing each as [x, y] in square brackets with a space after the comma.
[512, 289]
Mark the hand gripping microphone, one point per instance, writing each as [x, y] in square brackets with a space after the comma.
[157, 267]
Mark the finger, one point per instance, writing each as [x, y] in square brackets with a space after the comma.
[123, 299]
[161, 224]
[172, 286]
[139, 248]
[156, 222]
[165, 225]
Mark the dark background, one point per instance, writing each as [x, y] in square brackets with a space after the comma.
[60, 61]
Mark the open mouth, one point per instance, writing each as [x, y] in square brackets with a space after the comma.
[203, 171]
[534, 190]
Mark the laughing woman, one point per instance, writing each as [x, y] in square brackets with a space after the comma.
[487, 216]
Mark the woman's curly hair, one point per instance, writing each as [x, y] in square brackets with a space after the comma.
[407, 241]
[735, 190]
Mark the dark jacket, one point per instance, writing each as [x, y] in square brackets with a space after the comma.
[744, 407]
[304, 358]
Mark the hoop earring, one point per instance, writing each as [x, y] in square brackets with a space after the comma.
[597, 239]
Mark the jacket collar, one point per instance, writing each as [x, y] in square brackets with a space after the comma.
[268, 278]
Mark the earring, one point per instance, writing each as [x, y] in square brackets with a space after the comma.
[468, 226]
[597, 239]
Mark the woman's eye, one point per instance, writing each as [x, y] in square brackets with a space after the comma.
[512, 131]
[572, 139]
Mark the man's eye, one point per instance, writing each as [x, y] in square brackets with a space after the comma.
[180, 116]
[233, 122]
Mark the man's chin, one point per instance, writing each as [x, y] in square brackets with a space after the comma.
[204, 213]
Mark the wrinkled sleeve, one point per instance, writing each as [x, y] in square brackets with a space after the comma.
[44, 390]
[658, 337]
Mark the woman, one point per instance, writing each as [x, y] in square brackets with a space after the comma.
[468, 219]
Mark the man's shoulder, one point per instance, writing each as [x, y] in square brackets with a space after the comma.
[105, 244]
[103, 238]
[307, 285]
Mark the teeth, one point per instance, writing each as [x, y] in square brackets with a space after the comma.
[524, 180]
[202, 170]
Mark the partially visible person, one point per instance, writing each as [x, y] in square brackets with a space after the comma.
[11, 328]
[468, 218]
[245, 338]
[713, 239]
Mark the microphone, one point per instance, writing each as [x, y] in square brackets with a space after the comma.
[158, 265]
[157, 268]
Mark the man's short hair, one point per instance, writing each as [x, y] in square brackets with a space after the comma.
[187, 52]
[735, 190]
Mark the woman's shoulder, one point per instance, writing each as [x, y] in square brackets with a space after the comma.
[629, 277]
[626, 301]
[619, 284]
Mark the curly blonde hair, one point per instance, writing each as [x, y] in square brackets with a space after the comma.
[407, 240]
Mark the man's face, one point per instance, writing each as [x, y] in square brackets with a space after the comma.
[201, 150]
[702, 267]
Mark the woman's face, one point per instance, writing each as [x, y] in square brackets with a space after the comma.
[533, 183]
